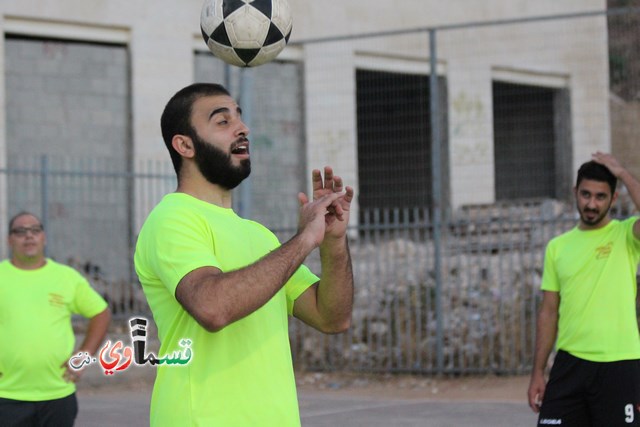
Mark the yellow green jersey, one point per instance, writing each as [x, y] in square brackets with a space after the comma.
[595, 273]
[36, 335]
[241, 375]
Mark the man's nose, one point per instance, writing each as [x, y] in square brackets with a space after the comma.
[242, 129]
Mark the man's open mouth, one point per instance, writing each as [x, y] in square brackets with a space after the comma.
[241, 148]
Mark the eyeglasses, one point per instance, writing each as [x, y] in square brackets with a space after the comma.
[22, 231]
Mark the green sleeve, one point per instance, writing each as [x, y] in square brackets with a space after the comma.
[301, 280]
[549, 276]
[177, 245]
[86, 302]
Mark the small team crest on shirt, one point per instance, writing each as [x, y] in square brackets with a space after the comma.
[603, 252]
[56, 300]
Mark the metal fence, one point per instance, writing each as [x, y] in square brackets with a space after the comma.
[479, 318]
[476, 317]
[91, 210]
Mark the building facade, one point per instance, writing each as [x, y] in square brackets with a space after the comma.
[522, 88]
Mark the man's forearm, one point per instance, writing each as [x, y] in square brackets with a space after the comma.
[216, 299]
[335, 293]
[633, 187]
[546, 333]
[96, 331]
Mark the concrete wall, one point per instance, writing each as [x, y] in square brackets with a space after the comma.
[70, 103]
[564, 54]
[161, 37]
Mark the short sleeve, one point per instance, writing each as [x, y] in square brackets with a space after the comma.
[550, 276]
[86, 302]
[173, 247]
[301, 280]
[632, 241]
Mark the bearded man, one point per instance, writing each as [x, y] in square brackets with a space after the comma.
[225, 283]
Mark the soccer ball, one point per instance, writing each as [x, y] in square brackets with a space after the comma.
[246, 33]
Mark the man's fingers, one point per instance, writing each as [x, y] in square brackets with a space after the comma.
[337, 184]
[336, 209]
[319, 182]
[325, 182]
[535, 406]
[328, 178]
[303, 199]
[325, 201]
[316, 180]
[348, 195]
[329, 199]
[71, 376]
[535, 401]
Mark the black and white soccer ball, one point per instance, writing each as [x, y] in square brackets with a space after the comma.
[246, 33]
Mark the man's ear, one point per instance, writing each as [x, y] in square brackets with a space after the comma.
[183, 146]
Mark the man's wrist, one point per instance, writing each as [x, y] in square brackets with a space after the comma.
[335, 243]
[305, 242]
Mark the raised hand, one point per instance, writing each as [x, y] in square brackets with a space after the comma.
[609, 162]
[312, 222]
[337, 214]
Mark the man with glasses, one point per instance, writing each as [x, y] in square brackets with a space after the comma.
[37, 298]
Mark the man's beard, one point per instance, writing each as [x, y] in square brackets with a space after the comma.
[215, 165]
[599, 216]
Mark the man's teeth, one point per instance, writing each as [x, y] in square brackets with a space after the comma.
[239, 150]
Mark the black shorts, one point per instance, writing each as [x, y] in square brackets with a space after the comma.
[46, 413]
[591, 394]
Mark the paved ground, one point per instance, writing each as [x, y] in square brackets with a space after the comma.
[325, 410]
[342, 401]
[322, 409]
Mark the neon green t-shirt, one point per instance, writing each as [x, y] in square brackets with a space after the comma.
[241, 375]
[36, 336]
[595, 273]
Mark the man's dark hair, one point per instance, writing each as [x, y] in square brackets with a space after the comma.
[596, 172]
[18, 215]
[176, 117]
